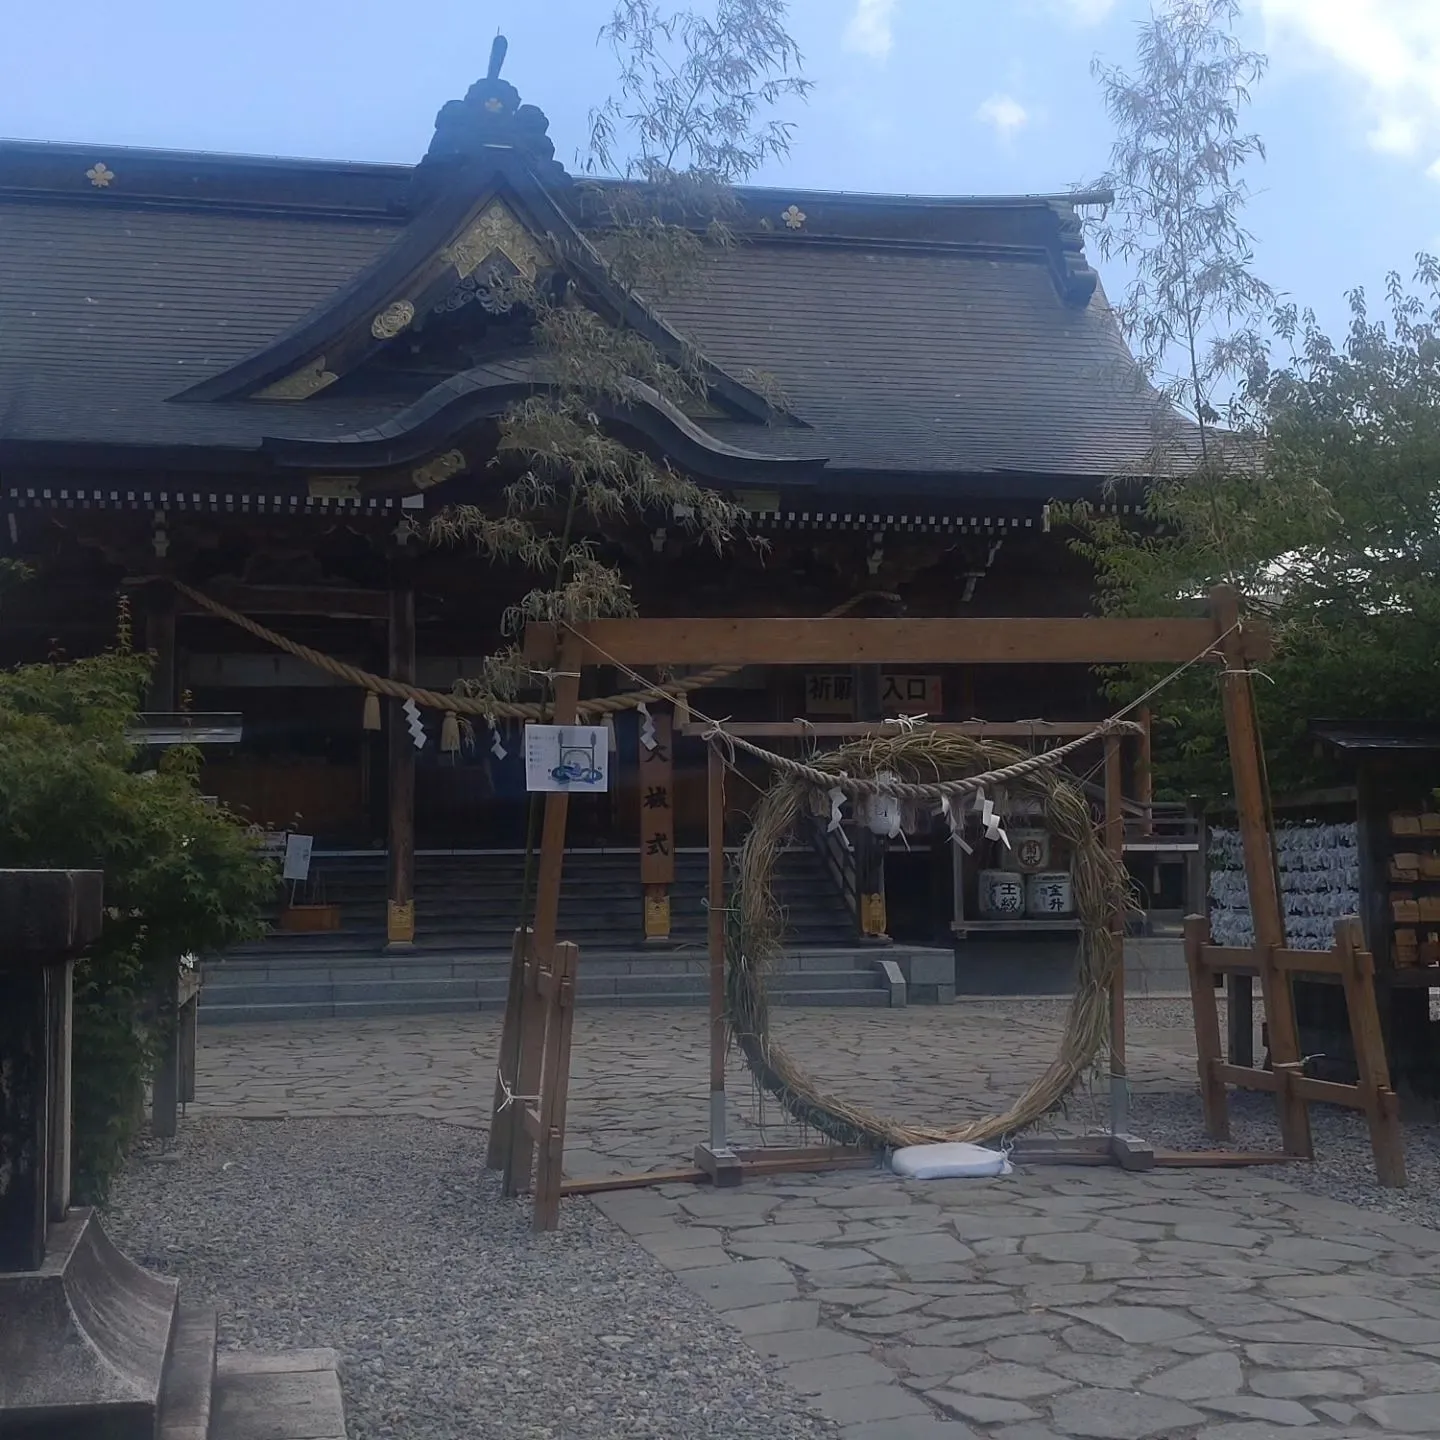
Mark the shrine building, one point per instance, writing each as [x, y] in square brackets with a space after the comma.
[264, 377]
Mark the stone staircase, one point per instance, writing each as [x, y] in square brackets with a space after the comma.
[466, 910]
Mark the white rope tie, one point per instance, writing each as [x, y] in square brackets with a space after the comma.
[511, 1098]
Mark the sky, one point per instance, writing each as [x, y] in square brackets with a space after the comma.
[911, 96]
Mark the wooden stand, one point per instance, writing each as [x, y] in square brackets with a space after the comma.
[547, 1009]
[1355, 968]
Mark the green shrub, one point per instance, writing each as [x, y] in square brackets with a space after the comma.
[181, 876]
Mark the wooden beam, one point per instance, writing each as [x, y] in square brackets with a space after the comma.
[1062, 640]
[334, 604]
[854, 729]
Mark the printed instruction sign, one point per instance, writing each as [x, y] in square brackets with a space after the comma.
[570, 758]
[297, 856]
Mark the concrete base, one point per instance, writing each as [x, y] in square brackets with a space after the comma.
[722, 1166]
[295, 1396]
[1127, 1151]
[83, 1340]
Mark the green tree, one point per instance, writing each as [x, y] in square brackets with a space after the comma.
[690, 119]
[1332, 531]
[1177, 170]
[181, 876]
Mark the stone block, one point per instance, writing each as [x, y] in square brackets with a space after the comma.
[278, 1397]
[83, 1337]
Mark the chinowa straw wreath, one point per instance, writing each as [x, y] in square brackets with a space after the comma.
[755, 930]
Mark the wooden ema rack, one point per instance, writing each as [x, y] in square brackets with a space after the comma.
[1354, 966]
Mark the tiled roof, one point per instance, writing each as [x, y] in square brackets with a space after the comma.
[105, 311]
[928, 361]
[929, 356]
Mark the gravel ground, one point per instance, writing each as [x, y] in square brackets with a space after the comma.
[387, 1241]
[1344, 1167]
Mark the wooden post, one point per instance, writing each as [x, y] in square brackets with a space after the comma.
[557, 989]
[46, 918]
[1207, 1028]
[869, 847]
[165, 1090]
[657, 824]
[507, 1071]
[1261, 876]
[1382, 1105]
[1115, 844]
[547, 918]
[400, 906]
[1144, 773]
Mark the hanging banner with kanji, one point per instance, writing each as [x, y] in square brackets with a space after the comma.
[657, 800]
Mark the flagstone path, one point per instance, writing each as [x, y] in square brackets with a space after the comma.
[1174, 1305]
[1224, 1306]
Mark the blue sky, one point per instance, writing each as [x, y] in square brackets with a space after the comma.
[937, 96]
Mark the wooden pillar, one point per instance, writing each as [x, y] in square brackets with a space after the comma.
[869, 847]
[1144, 773]
[400, 908]
[1262, 878]
[162, 693]
[521, 1157]
[657, 823]
[1115, 844]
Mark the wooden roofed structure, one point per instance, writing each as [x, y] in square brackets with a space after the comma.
[263, 376]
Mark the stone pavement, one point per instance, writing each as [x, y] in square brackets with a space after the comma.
[639, 1092]
[1218, 1305]
[1190, 1305]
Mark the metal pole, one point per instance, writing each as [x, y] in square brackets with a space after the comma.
[715, 831]
[1115, 844]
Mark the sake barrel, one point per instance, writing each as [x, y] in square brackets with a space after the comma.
[1001, 894]
[1029, 850]
[1049, 895]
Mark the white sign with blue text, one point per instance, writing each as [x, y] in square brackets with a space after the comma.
[574, 759]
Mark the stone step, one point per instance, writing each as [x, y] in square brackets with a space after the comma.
[187, 1391]
[480, 988]
[460, 964]
[293, 1396]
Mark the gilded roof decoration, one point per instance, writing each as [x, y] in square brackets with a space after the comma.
[496, 228]
[794, 217]
[392, 320]
[301, 384]
[440, 469]
[100, 175]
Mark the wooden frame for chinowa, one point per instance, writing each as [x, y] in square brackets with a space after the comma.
[1219, 638]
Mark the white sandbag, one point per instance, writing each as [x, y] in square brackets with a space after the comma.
[945, 1162]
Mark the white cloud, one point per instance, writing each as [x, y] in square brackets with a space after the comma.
[1391, 51]
[1085, 12]
[870, 31]
[1004, 114]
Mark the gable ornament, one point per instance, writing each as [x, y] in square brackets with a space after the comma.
[392, 320]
